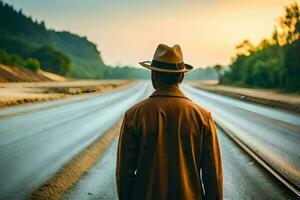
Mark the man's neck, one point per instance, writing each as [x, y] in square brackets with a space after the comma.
[165, 86]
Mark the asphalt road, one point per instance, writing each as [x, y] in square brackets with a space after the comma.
[36, 140]
[274, 131]
[243, 177]
[271, 133]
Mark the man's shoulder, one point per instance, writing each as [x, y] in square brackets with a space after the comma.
[150, 102]
[137, 106]
[200, 108]
[201, 111]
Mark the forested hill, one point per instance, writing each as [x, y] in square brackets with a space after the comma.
[59, 52]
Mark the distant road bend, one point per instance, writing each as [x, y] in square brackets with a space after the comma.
[36, 140]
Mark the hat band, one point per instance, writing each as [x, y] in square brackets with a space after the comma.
[171, 66]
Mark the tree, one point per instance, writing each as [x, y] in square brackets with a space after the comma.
[291, 67]
[275, 36]
[52, 60]
[10, 59]
[273, 63]
[218, 69]
[290, 23]
[32, 64]
[263, 44]
[245, 48]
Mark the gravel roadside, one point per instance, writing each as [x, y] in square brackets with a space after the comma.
[267, 97]
[12, 94]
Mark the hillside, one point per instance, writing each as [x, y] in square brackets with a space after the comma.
[19, 74]
[59, 52]
[82, 52]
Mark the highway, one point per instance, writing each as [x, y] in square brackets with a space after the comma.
[272, 134]
[36, 140]
[243, 178]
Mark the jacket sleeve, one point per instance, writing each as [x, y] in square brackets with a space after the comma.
[211, 164]
[126, 161]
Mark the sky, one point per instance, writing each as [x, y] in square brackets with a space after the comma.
[128, 31]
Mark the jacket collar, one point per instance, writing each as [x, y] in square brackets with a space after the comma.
[170, 91]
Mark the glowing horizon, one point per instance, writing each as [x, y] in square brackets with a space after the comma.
[127, 32]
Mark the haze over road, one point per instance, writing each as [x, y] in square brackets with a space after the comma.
[36, 140]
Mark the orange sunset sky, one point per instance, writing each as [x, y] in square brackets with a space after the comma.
[128, 31]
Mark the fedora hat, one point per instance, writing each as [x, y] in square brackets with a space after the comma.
[167, 59]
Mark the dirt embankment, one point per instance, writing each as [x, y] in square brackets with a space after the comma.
[22, 86]
[19, 74]
[30, 92]
[272, 98]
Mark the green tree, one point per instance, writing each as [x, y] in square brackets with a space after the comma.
[52, 60]
[10, 59]
[273, 63]
[32, 64]
[275, 37]
[291, 68]
[218, 69]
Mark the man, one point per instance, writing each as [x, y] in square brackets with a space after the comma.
[168, 146]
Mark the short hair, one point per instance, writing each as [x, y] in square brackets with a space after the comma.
[168, 78]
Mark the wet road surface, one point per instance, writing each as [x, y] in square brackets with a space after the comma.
[271, 133]
[243, 177]
[36, 140]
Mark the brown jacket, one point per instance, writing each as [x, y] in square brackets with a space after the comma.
[166, 142]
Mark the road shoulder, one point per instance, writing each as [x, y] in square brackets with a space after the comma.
[71, 172]
[19, 93]
[271, 98]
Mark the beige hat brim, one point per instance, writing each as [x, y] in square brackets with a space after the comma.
[147, 64]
